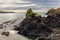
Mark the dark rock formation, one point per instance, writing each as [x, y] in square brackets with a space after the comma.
[53, 11]
[53, 18]
[33, 26]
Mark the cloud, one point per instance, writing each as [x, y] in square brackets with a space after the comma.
[16, 5]
[36, 5]
[13, 1]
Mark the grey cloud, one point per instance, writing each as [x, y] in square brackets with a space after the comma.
[41, 5]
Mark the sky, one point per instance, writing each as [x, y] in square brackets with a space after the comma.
[23, 5]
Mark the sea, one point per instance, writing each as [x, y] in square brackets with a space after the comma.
[4, 17]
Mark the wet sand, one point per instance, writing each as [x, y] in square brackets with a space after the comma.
[7, 22]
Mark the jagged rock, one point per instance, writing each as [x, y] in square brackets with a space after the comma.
[29, 13]
[51, 21]
[42, 28]
[33, 29]
[33, 26]
[51, 12]
[53, 18]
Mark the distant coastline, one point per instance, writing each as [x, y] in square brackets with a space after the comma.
[7, 12]
[2, 11]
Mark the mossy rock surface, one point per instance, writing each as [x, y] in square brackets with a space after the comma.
[30, 13]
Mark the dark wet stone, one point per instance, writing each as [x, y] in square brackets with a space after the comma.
[5, 33]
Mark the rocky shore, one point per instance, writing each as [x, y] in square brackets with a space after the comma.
[41, 28]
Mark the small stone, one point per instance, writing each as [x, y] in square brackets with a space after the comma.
[5, 33]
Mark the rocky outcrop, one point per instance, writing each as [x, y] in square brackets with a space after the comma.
[42, 28]
[53, 18]
[53, 12]
[33, 26]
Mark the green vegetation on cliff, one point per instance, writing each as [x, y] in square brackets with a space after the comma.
[30, 13]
